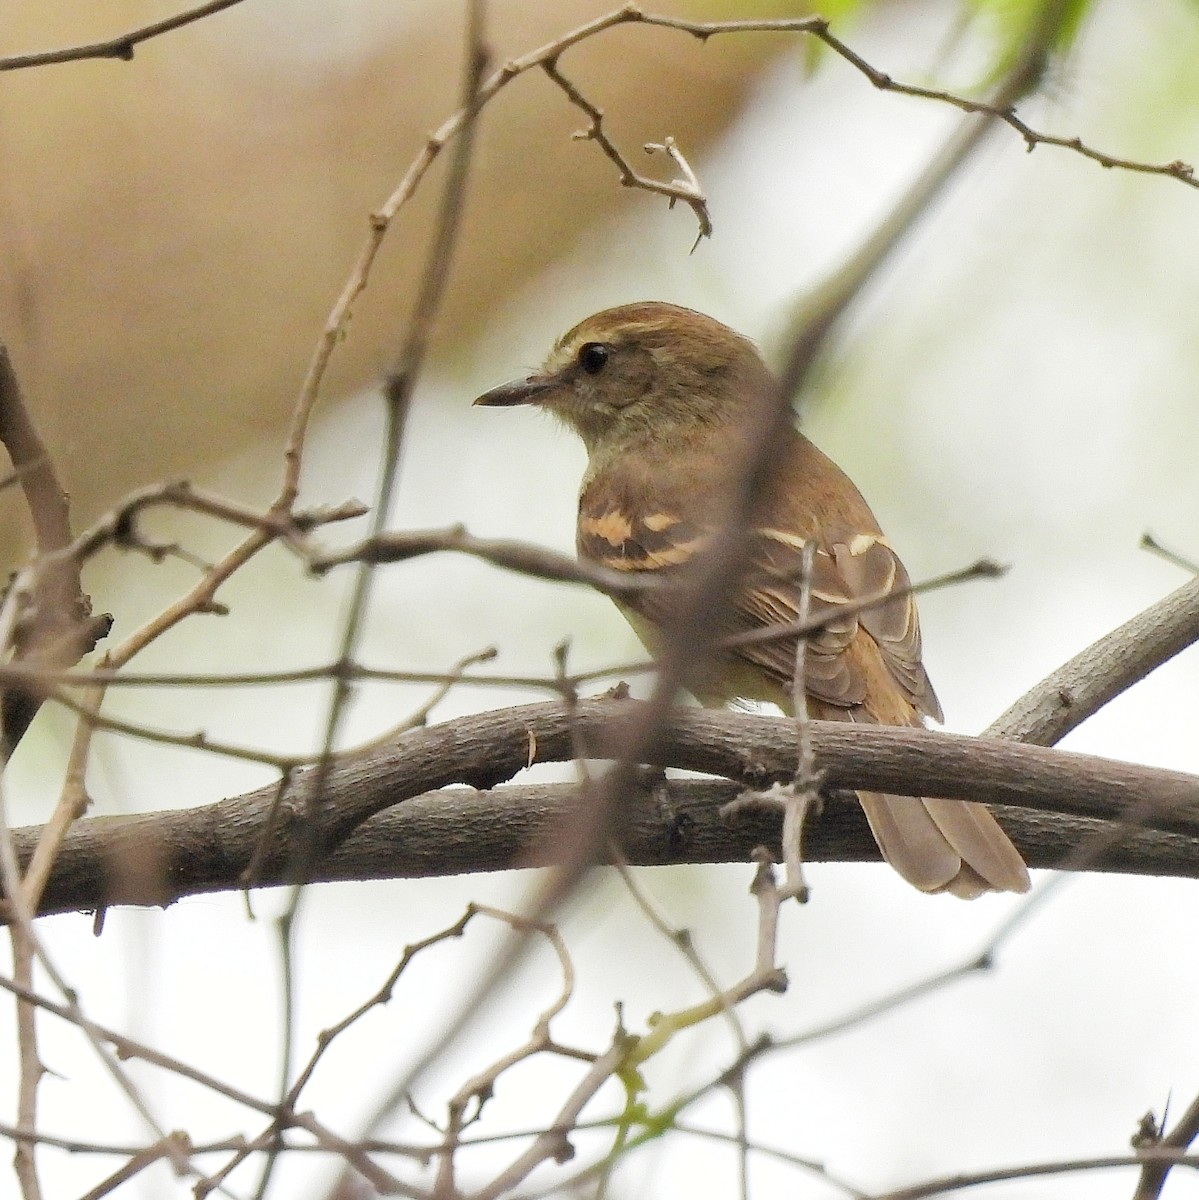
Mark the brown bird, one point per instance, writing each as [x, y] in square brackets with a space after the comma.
[663, 398]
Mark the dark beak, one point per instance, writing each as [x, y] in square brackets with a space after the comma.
[516, 391]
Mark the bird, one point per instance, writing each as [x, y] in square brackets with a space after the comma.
[664, 399]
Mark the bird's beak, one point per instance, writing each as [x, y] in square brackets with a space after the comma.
[516, 391]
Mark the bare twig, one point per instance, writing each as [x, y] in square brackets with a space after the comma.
[31, 1070]
[983, 568]
[1177, 1141]
[1149, 542]
[1000, 109]
[522, 557]
[400, 386]
[480, 1087]
[681, 939]
[957, 1183]
[119, 527]
[120, 47]
[819, 311]
[130, 1048]
[27, 948]
[686, 189]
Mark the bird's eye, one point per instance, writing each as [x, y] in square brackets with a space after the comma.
[593, 357]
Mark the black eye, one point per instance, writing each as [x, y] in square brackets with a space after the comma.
[593, 357]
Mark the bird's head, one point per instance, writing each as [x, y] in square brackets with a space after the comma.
[642, 372]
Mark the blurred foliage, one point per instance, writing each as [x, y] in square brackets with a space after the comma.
[1005, 24]
[1009, 23]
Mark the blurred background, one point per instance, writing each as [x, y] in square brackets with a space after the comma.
[1017, 383]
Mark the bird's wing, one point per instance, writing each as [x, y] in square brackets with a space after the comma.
[628, 536]
[845, 572]
[626, 539]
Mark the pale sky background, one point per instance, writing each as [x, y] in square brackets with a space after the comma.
[1019, 385]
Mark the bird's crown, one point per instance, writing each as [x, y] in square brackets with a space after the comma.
[643, 371]
[675, 336]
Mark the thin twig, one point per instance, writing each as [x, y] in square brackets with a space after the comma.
[128, 1048]
[120, 47]
[1149, 542]
[522, 557]
[960, 1182]
[686, 189]
[1178, 1140]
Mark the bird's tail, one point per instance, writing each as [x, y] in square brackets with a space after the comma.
[937, 845]
[953, 846]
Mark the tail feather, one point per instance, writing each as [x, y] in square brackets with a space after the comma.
[967, 884]
[910, 840]
[953, 846]
[975, 834]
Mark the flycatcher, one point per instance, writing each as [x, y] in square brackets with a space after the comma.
[663, 398]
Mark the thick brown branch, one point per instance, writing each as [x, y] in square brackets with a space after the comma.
[1081, 687]
[160, 857]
